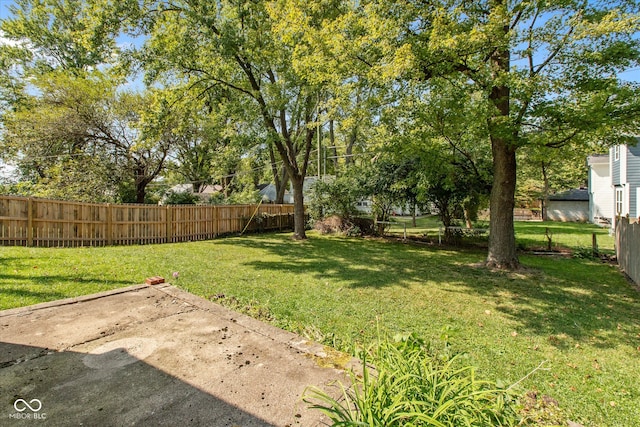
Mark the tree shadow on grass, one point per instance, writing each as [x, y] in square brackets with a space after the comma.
[16, 290]
[20, 294]
[564, 299]
[532, 234]
[359, 263]
[567, 300]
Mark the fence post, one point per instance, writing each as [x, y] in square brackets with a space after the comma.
[216, 225]
[30, 221]
[109, 231]
[168, 228]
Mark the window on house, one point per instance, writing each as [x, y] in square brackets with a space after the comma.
[616, 152]
[619, 204]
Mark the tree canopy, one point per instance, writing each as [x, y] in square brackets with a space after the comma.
[452, 92]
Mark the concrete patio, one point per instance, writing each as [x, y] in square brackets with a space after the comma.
[154, 355]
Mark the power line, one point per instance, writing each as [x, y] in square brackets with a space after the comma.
[267, 164]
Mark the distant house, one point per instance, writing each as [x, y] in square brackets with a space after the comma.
[569, 206]
[205, 193]
[614, 184]
[268, 193]
[206, 190]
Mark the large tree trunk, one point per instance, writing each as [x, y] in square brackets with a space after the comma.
[299, 232]
[502, 241]
[281, 184]
[141, 191]
[545, 195]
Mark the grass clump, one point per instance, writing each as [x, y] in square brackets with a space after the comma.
[412, 385]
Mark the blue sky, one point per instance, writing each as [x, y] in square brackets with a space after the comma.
[3, 8]
[630, 75]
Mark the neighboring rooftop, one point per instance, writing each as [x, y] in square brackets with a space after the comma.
[575, 195]
[597, 159]
[207, 189]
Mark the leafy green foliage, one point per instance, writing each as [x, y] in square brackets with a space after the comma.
[530, 67]
[411, 385]
[239, 47]
[467, 85]
[335, 197]
[180, 198]
[84, 136]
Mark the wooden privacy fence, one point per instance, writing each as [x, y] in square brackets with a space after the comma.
[627, 244]
[40, 222]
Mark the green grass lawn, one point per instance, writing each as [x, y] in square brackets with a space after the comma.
[529, 234]
[580, 317]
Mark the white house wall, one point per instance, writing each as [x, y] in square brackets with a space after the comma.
[601, 192]
[568, 211]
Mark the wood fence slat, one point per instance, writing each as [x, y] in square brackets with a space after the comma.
[30, 221]
[41, 222]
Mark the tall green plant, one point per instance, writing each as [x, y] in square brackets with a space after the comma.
[412, 385]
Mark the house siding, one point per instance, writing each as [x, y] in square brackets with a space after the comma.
[633, 178]
[615, 167]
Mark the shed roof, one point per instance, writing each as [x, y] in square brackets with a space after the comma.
[577, 195]
[598, 159]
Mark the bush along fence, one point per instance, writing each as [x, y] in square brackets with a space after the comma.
[627, 244]
[40, 222]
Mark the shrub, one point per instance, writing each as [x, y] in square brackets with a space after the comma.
[352, 227]
[329, 225]
[413, 386]
[181, 198]
[337, 197]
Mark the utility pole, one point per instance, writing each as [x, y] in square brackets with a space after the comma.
[319, 142]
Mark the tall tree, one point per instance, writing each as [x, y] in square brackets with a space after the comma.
[543, 68]
[239, 46]
[42, 40]
[79, 116]
[440, 127]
